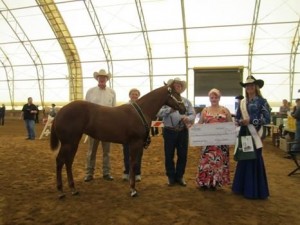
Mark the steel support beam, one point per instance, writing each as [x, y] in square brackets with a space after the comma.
[252, 35]
[27, 45]
[186, 47]
[100, 34]
[9, 72]
[295, 45]
[65, 40]
[146, 40]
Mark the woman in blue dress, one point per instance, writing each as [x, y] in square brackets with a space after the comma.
[250, 178]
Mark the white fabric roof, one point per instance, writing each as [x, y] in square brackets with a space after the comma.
[218, 33]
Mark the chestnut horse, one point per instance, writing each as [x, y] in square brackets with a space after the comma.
[125, 124]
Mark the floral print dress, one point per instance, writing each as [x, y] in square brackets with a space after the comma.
[213, 168]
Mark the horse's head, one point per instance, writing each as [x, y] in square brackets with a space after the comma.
[175, 101]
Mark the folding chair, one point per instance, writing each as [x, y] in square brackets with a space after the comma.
[294, 152]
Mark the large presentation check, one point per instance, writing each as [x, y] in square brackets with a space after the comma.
[212, 134]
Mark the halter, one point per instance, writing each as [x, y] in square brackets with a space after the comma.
[147, 139]
[173, 97]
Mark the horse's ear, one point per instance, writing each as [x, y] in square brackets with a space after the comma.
[165, 83]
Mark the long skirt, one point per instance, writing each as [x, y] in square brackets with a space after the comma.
[250, 179]
[213, 169]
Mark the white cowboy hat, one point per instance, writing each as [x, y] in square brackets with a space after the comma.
[178, 80]
[252, 80]
[102, 72]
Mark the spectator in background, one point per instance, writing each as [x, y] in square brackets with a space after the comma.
[2, 114]
[52, 111]
[238, 100]
[296, 115]
[285, 108]
[28, 114]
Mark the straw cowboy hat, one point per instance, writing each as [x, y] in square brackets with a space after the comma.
[102, 72]
[252, 80]
[178, 80]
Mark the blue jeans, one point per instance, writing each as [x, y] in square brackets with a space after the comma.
[127, 161]
[175, 140]
[30, 126]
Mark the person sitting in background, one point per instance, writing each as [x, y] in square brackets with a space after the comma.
[134, 94]
[285, 108]
[283, 111]
[296, 115]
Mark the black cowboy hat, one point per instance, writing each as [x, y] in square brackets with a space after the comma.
[239, 97]
[252, 80]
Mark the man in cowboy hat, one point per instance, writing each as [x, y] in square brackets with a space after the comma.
[101, 95]
[175, 134]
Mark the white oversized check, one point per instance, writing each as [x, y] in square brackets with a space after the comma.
[212, 134]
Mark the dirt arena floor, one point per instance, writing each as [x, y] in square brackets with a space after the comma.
[28, 190]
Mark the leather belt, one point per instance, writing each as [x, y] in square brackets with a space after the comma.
[175, 128]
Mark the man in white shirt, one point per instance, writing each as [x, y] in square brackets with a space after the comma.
[105, 96]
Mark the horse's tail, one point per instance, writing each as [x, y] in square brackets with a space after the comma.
[53, 137]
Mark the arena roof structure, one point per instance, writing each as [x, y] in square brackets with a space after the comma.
[49, 49]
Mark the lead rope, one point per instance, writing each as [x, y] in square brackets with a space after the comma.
[147, 140]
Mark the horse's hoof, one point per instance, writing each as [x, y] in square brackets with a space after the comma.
[134, 193]
[61, 196]
[75, 193]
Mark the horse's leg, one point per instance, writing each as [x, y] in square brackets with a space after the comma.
[60, 161]
[69, 162]
[133, 152]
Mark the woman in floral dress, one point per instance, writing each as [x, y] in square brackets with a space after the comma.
[213, 168]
